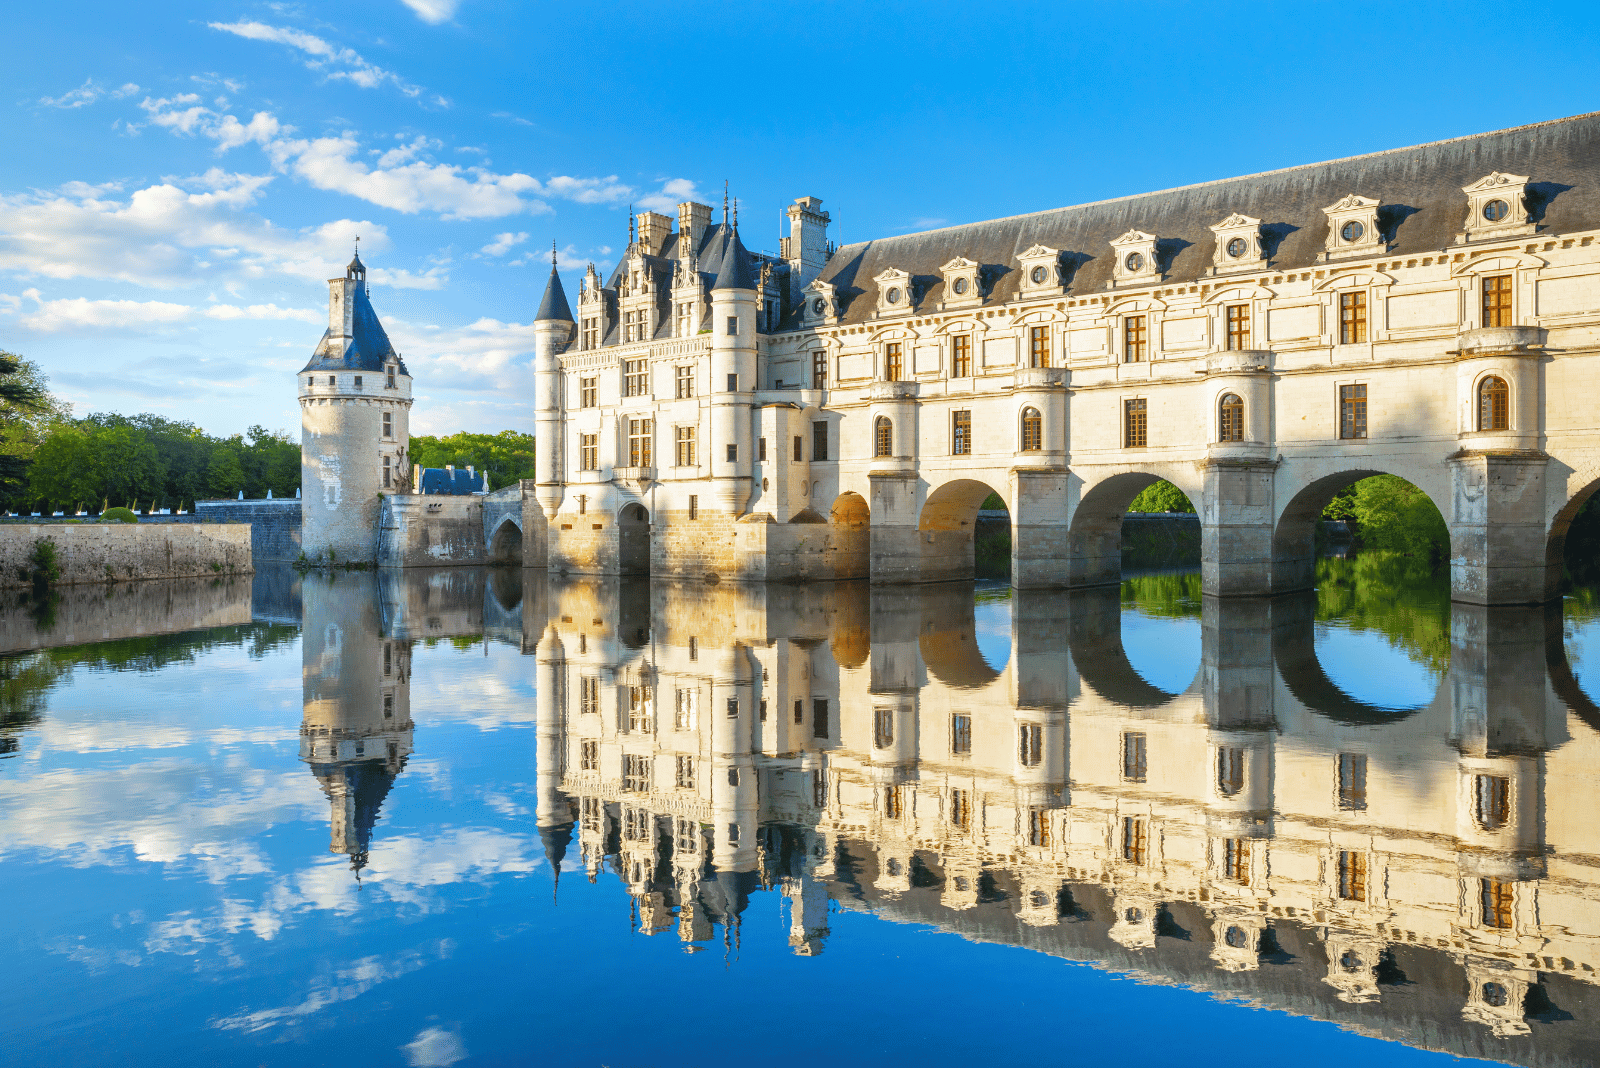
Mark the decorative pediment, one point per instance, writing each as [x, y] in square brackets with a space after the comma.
[1134, 261]
[1041, 271]
[1495, 181]
[894, 291]
[1234, 222]
[821, 303]
[1239, 246]
[1353, 228]
[1497, 206]
[963, 283]
[1350, 203]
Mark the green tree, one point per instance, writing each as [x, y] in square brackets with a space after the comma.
[27, 413]
[127, 464]
[506, 456]
[224, 474]
[64, 471]
[1161, 497]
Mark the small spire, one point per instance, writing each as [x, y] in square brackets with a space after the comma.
[630, 225]
[736, 213]
[724, 202]
[552, 252]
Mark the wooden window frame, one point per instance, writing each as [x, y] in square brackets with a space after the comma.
[961, 734]
[1497, 302]
[1135, 423]
[641, 433]
[1230, 418]
[1135, 756]
[1038, 346]
[1351, 781]
[636, 377]
[684, 445]
[588, 452]
[960, 355]
[819, 369]
[1032, 430]
[961, 432]
[819, 440]
[1497, 903]
[1353, 317]
[1236, 860]
[1494, 403]
[1135, 338]
[684, 381]
[882, 437]
[1236, 320]
[893, 361]
[1351, 871]
[588, 392]
[1135, 840]
[1354, 424]
[1491, 801]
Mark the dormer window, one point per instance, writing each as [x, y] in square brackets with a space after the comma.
[1135, 259]
[1041, 272]
[1239, 246]
[962, 286]
[894, 292]
[388, 382]
[818, 306]
[1497, 206]
[1353, 228]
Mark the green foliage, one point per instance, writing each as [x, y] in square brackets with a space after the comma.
[993, 503]
[45, 562]
[1170, 594]
[1403, 598]
[506, 456]
[1393, 516]
[1161, 497]
[119, 515]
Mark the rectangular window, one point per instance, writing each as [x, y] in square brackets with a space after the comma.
[640, 431]
[687, 836]
[1497, 903]
[733, 383]
[1353, 411]
[333, 380]
[1030, 744]
[694, 648]
[1497, 300]
[588, 452]
[1238, 326]
[388, 382]
[1353, 781]
[685, 319]
[683, 710]
[1134, 763]
[588, 392]
[733, 776]
[893, 802]
[761, 450]
[799, 711]
[961, 734]
[1135, 339]
[819, 718]
[960, 355]
[685, 776]
[1236, 860]
[1135, 424]
[799, 449]
[961, 809]
[388, 424]
[388, 659]
[641, 716]
[388, 706]
[1039, 827]
[589, 756]
[819, 440]
[685, 381]
[386, 472]
[819, 789]
[733, 325]
[1230, 770]
[1039, 346]
[588, 695]
[358, 381]
[591, 333]
[1352, 875]
[1135, 837]
[1491, 795]
[961, 434]
[636, 774]
[883, 728]
[694, 506]
[733, 453]
[635, 378]
[892, 362]
[819, 369]
[685, 445]
[1352, 318]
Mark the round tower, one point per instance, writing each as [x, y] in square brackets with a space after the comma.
[552, 331]
[733, 375]
[355, 433]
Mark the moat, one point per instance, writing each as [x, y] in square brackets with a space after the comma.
[487, 816]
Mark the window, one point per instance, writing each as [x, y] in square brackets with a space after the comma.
[1497, 300]
[589, 756]
[1236, 860]
[733, 325]
[640, 717]
[1497, 903]
[588, 392]
[819, 369]
[1135, 836]
[1353, 781]
[761, 450]
[588, 695]
[388, 706]
[1030, 744]
[387, 474]
[694, 506]
[1230, 770]
[588, 452]
[799, 711]
[1135, 424]
[733, 708]
[960, 734]
[819, 718]
[1039, 346]
[358, 381]
[685, 319]
[683, 710]
[388, 381]
[1238, 317]
[1352, 875]
[694, 648]
[799, 449]
[1353, 411]
[961, 809]
[1230, 424]
[733, 383]
[388, 424]
[640, 431]
[883, 728]
[636, 773]
[882, 437]
[635, 378]
[960, 355]
[1134, 763]
[733, 453]
[685, 381]
[1135, 339]
[892, 362]
[628, 328]
[733, 834]
[961, 434]
[893, 806]
[819, 440]
[819, 789]
[1352, 318]
[684, 436]
[1032, 430]
[1493, 406]
[1039, 827]
[388, 659]
[733, 776]
[333, 380]
[591, 333]
[1491, 795]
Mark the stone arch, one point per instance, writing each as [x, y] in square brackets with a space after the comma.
[1294, 653]
[1294, 531]
[1094, 638]
[633, 539]
[850, 535]
[505, 544]
[947, 528]
[1095, 534]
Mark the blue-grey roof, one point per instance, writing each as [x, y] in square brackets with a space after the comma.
[456, 483]
[554, 306]
[368, 350]
[736, 271]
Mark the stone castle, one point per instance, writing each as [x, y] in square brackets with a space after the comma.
[1261, 342]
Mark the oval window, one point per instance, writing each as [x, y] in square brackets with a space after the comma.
[1237, 938]
[763, 485]
[1038, 274]
[1352, 231]
[960, 286]
[1495, 995]
[1236, 247]
[1496, 210]
[1134, 263]
[893, 296]
[816, 306]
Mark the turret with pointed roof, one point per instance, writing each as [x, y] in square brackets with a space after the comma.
[554, 307]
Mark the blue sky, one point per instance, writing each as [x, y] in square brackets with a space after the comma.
[180, 178]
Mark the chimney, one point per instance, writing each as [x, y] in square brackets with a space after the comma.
[806, 247]
[654, 229]
[692, 220]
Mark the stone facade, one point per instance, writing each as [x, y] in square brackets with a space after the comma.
[275, 525]
[115, 552]
[1260, 342]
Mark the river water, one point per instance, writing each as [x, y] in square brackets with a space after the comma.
[490, 818]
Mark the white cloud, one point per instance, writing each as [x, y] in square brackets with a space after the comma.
[504, 243]
[333, 60]
[434, 1047]
[80, 313]
[87, 94]
[673, 192]
[433, 12]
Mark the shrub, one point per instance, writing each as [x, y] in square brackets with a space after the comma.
[118, 515]
[46, 563]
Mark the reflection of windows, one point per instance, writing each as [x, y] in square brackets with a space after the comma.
[733, 708]
[1496, 900]
[1353, 781]
[892, 802]
[1030, 744]
[687, 839]
[683, 710]
[1497, 300]
[636, 825]
[588, 694]
[636, 773]
[1492, 801]
[592, 813]
[1495, 995]
[1134, 763]
[883, 728]
[819, 789]
[1352, 875]
[388, 706]
[960, 734]
[1135, 836]
[961, 809]
[961, 433]
[685, 776]
[1039, 827]
[589, 756]
[1236, 860]
[640, 717]
[1230, 770]
[1493, 407]
[819, 719]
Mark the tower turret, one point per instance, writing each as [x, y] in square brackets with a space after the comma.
[552, 330]
[733, 373]
[355, 407]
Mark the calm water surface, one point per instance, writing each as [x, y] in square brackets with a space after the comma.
[482, 818]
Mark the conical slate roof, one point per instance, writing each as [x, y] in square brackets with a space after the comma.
[554, 307]
[369, 349]
[737, 272]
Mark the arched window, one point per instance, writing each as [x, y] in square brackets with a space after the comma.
[1230, 427]
[1032, 430]
[882, 437]
[1493, 404]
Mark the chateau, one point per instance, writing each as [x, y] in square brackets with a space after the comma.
[1260, 342]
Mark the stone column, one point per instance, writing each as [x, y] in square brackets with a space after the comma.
[1236, 505]
[1039, 543]
[896, 505]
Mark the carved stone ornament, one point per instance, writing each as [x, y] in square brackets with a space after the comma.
[1041, 271]
[1497, 206]
[821, 305]
[1353, 228]
[963, 283]
[894, 292]
[1134, 259]
[1239, 246]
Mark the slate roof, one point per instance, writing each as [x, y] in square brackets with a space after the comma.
[736, 271]
[554, 307]
[368, 350]
[710, 256]
[1419, 187]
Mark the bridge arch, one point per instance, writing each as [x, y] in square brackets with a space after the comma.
[1294, 653]
[505, 544]
[1094, 639]
[947, 526]
[850, 535]
[1294, 530]
[1095, 519]
[633, 539]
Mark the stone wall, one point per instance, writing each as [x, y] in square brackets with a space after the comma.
[111, 611]
[432, 530]
[107, 552]
[274, 524]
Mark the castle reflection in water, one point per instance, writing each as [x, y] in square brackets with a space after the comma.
[1429, 875]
